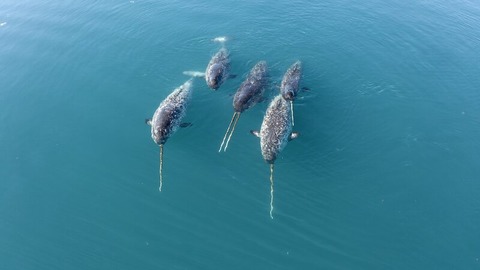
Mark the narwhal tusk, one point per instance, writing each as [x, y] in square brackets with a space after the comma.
[228, 129]
[231, 132]
[161, 168]
[271, 191]
[291, 110]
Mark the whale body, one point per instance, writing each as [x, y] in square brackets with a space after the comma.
[217, 69]
[274, 134]
[248, 94]
[168, 116]
[291, 81]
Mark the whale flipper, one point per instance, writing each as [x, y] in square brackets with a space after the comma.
[221, 39]
[255, 133]
[148, 121]
[184, 125]
[292, 136]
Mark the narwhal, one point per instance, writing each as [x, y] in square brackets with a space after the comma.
[275, 132]
[248, 94]
[290, 84]
[168, 116]
[217, 69]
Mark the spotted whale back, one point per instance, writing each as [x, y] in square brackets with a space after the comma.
[276, 129]
[170, 112]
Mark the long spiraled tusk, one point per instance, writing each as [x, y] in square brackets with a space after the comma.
[228, 129]
[231, 132]
[271, 191]
[160, 171]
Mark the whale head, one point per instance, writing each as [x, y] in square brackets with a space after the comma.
[215, 76]
[161, 133]
[288, 93]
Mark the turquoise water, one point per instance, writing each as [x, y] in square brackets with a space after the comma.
[384, 174]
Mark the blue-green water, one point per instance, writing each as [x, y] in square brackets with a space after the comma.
[384, 175]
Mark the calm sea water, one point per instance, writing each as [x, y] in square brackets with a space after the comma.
[384, 175]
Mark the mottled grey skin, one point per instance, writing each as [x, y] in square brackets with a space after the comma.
[276, 129]
[291, 81]
[251, 90]
[169, 114]
[217, 69]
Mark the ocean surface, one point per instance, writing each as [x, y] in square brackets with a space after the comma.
[384, 175]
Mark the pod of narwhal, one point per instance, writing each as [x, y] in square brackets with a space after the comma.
[248, 94]
[276, 127]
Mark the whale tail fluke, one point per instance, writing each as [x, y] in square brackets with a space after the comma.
[195, 74]
[221, 39]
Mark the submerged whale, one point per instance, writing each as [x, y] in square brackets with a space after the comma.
[248, 94]
[168, 116]
[290, 84]
[218, 68]
[274, 134]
